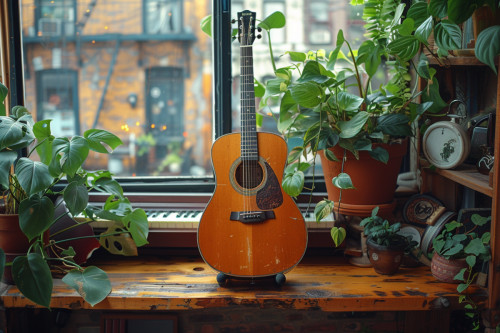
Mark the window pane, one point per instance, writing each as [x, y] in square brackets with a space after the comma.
[140, 69]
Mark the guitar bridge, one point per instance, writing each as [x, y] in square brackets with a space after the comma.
[252, 216]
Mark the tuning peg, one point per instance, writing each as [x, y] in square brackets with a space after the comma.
[259, 29]
[233, 21]
[259, 36]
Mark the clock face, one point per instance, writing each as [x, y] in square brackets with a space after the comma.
[446, 145]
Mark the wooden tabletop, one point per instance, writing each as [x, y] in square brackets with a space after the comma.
[182, 283]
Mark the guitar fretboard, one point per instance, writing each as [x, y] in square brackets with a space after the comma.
[249, 147]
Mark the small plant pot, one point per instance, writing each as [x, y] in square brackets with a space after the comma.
[12, 241]
[445, 270]
[385, 260]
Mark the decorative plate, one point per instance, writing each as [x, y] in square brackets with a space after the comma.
[432, 231]
[419, 208]
[446, 144]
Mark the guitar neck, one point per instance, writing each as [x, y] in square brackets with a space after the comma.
[249, 148]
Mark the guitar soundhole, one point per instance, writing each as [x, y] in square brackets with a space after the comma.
[249, 174]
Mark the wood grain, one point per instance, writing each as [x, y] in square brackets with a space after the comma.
[322, 283]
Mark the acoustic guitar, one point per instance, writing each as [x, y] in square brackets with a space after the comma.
[250, 227]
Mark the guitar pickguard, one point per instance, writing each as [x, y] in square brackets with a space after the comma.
[270, 196]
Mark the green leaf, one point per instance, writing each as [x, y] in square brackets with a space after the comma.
[438, 8]
[206, 25]
[3, 94]
[471, 260]
[394, 124]
[307, 94]
[343, 181]
[460, 11]
[330, 155]
[431, 94]
[323, 209]
[480, 220]
[475, 247]
[32, 276]
[462, 287]
[380, 154]
[418, 12]
[405, 47]
[274, 21]
[33, 176]
[98, 138]
[297, 56]
[15, 134]
[488, 46]
[338, 235]
[294, 154]
[73, 153]
[423, 68]
[92, 284]
[348, 102]
[136, 223]
[41, 129]
[293, 183]
[332, 59]
[448, 35]
[424, 30]
[76, 197]
[36, 214]
[7, 158]
[351, 128]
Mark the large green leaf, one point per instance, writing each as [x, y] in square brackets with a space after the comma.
[293, 183]
[36, 214]
[348, 102]
[461, 10]
[424, 30]
[343, 181]
[307, 94]
[15, 134]
[418, 12]
[7, 158]
[97, 140]
[288, 109]
[371, 55]
[42, 132]
[323, 209]
[394, 124]
[108, 185]
[332, 58]
[438, 8]
[76, 197]
[488, 46]
[92, 284]
[33, 176]
[73, 153]
[314, 71]
[448, 35]
[137, 224]
[274, 21]
[405, 47]
[380, 154]
[431, 94]
[352, 127]
[32, 276]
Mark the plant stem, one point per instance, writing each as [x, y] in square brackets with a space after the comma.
[358, 79]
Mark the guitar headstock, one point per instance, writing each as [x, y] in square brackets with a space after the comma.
[246, 27]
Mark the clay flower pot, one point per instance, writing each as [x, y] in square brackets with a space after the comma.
[385, 260]
[13, 242]
[375, 182]
[445, 270]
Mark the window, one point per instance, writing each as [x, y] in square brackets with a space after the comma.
[55, 18]
[57, 93]
[163, 16]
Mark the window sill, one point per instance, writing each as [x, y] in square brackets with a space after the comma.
[319, 282]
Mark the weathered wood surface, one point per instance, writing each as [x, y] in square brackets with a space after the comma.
[323, 283]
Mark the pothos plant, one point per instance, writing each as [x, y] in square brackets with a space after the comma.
[30, 186]
[327, 98]
[458, 242]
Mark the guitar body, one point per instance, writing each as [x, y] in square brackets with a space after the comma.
[251, 228]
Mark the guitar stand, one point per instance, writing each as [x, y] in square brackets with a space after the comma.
[223, 279]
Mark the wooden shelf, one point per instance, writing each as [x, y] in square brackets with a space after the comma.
[457, 61]
[327, 283]
[468, 176]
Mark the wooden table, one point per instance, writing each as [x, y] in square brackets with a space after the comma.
[321, 282]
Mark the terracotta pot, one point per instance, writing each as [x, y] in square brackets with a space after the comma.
[12, 241]
[375, 182]
[385, 260]
[445, 270]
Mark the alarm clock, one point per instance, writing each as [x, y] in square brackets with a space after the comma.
[446, 144]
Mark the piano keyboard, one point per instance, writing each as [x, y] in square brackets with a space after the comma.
[189, 219]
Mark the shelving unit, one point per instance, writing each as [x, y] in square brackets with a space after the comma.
[467, 176]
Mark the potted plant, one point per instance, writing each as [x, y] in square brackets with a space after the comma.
[458, 252]
[385, 246]
[30, 186]
[327, 101]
